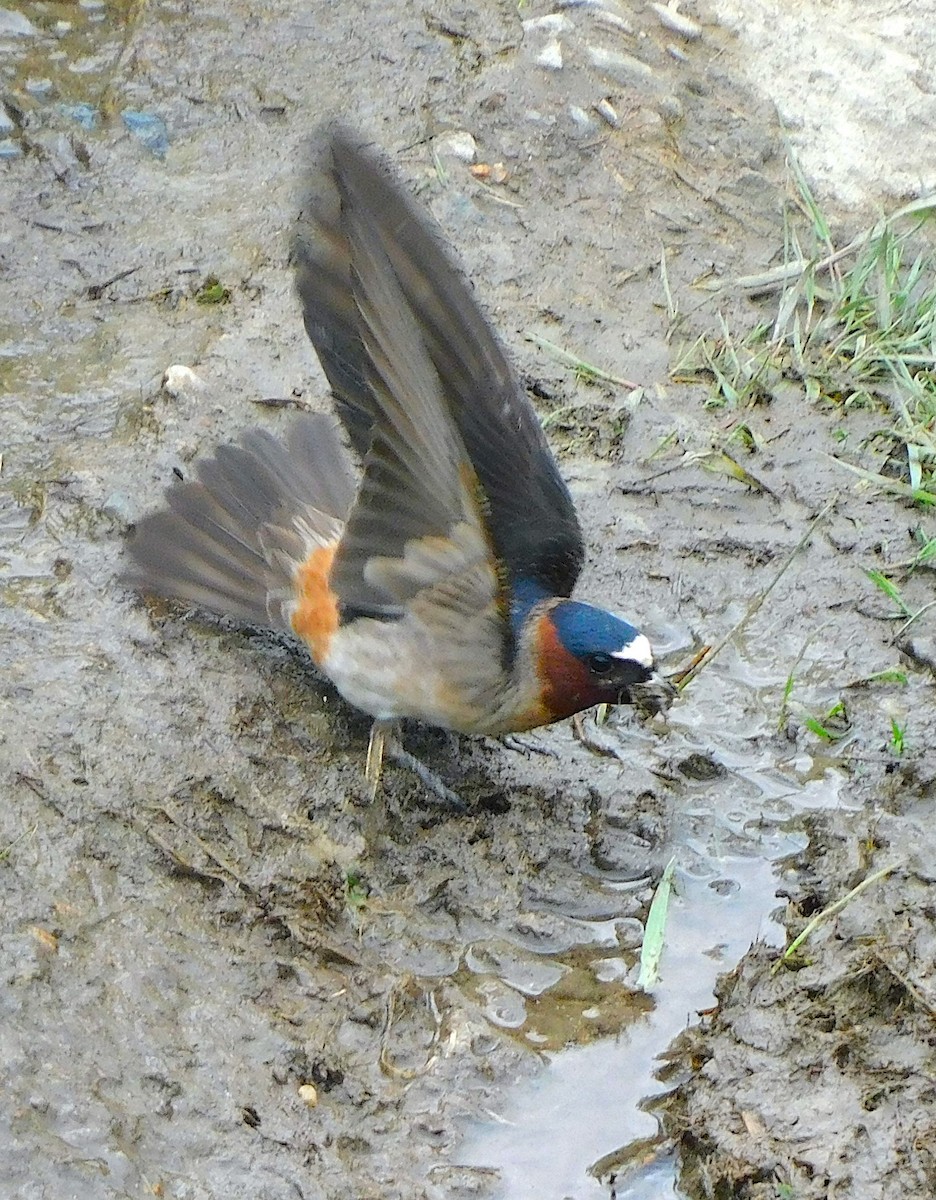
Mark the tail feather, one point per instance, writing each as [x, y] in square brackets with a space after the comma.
[197, 508]
[181, 562]
[316, 457]
[220, 544]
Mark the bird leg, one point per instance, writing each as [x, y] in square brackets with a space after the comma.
[377, 743]
[385, 743]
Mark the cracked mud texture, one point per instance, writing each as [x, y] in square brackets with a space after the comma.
[225, 973]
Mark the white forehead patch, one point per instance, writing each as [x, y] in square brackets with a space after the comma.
[638, 651]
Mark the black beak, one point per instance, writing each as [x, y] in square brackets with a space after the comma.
[650, 697]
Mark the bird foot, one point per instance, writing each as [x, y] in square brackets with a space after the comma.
[526, 748]
[385, 743]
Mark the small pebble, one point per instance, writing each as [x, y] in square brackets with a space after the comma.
[551, 23]
[180, 381]
[622, 67]
[550, 56]
[613, 21]
[670, 19]
[39, 87]
[148, 129]
[921, 650]
[85, 114]
[580, 117]
[630, 933]
[460, 145]
[602, 4]
[610, 970]
[605, 109]
[118, 507]
[14, 24]
[670, 108]
[489, 172]
[308, 1095]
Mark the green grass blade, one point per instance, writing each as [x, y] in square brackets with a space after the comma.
[653, 940]
[831, 911]
[890, 589]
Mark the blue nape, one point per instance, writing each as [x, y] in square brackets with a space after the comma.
[582, 628]
[526, 593]
[585, 630]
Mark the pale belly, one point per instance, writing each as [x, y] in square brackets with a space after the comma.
[391, 671]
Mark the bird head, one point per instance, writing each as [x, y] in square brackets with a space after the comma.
[587, 656]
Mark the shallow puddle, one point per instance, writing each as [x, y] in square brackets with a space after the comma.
[580, 1124]
[581, 1114]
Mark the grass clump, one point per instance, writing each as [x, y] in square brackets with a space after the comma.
[904, 613]
[858, 335]
[213, 291]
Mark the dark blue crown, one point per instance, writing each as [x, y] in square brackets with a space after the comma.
[585, 630]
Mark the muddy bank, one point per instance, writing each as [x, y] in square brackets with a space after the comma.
[225, 973]
[815, 1079]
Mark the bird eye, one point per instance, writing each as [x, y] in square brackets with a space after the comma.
[600, 663]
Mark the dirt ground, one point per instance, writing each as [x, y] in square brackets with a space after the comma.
[225, 972]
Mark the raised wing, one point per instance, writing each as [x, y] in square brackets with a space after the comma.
[418, 494]
[397, 329]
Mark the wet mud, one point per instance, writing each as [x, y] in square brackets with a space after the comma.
[814, 1077]
[225, 971]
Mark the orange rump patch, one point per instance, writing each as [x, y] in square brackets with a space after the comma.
[315, 618]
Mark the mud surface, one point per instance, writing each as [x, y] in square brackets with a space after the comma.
[225, 973]
[816, 1079]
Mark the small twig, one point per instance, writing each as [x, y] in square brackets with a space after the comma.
[905, 983]
[672, 311]
[913, 617]
[37, 787]
[896, 486]
[756, 603]
[97, 290]
[578, 364]
[769, 281]
[677, 680]
[8, 848]
[295, 402]
[589, 741]
[831, 912]
[495, 195]
[209, 852]
[387, 1065]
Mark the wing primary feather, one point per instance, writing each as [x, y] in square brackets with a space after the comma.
[353, 201]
